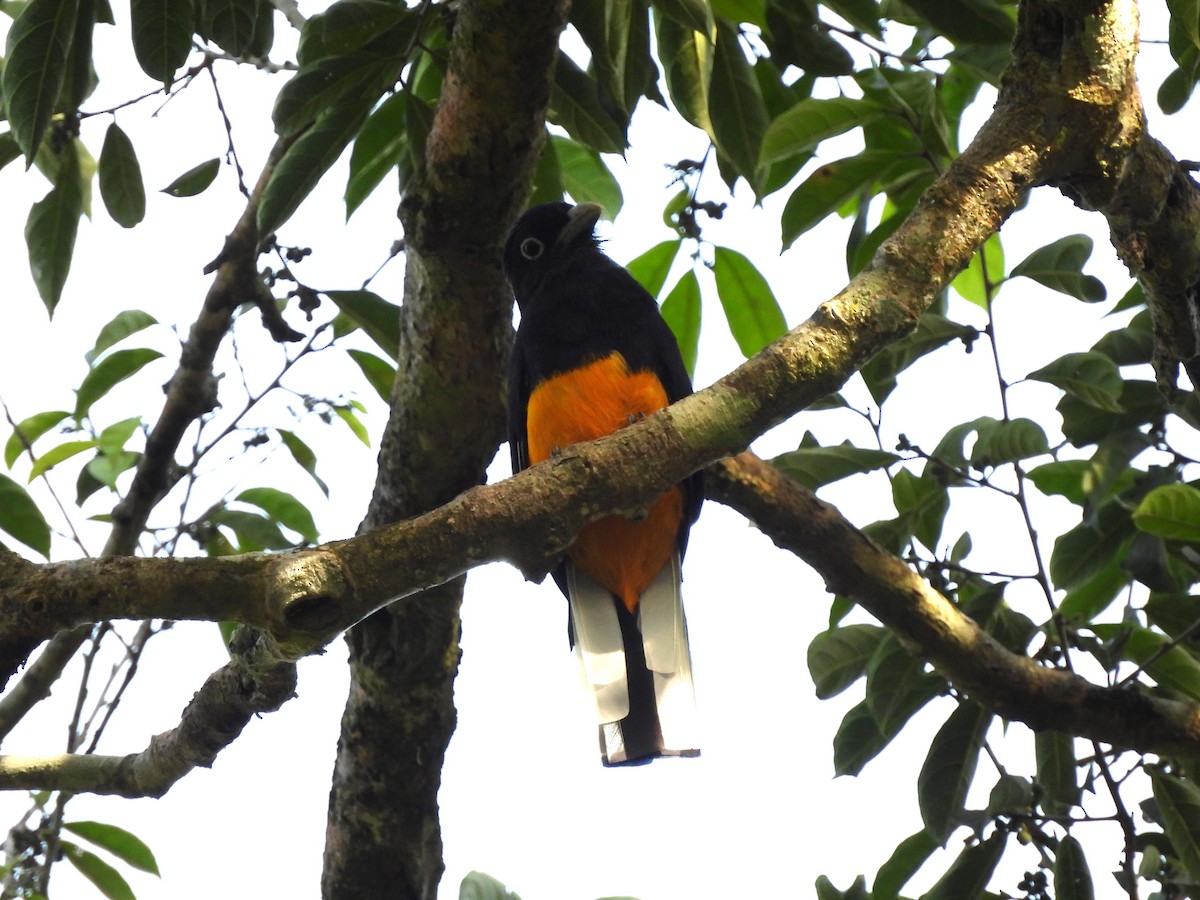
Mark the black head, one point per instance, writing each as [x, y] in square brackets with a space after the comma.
[543, 239]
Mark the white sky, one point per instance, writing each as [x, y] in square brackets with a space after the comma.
[524, 795]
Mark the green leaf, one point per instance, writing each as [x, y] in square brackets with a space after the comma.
[1072, 880]
[1005, 442]
[694, 14]
[1059, 266]
[254, 532]
[121, 326]
[968, 21]
[949, 769]
[932, 331]
[1092, 377]
[194, 180]
[922, 503]
[29, 430]
[805, 125]
[838, 657]
[162, 35]
[828, 187]
[681, 311]
[107, 373]
[585, 176]
[51, 228]
[858, 741]
[1167, 663]
[1170, 511]
[304, 457]
[347, 415]
[738, 114]
[231, 24]
[906, 859]
[305, 162]
[107, 880]
[751, 309]
[815, 466]
[35, 68]
[1179, 806]
[1185, 15]
[980, 281]
[478, 886]
[127, 847]
[20, 517]
[112, 439]
[575, 105]
[1055, 754]
[380, 373]
[1084, 550]
[374, 315]
[898, 685]
[121, 185]
[1086, 601]
[379, 147]
[282, 508]
[968, 876]
[687, 56]
[351, 25]
[798, 40]
[825, 889]
[652, 267]
[52, 457]
[862, 14]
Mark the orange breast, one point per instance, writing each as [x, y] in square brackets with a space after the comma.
[587, 403]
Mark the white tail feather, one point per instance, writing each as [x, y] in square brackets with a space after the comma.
[598, 646]
[665, 641]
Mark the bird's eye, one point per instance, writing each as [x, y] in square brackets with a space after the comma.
[532, 248]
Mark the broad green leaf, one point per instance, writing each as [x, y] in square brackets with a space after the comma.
[736, 107]
[348, 415]
[380, 373]
[282, 508]
[694, 14]
[827, 188]
[121, 326]
[949, 769]
[1059, 266]
[1085, 423]
[1185, 15]
[1179, 806]
[106, 468]
[922, 503]
[652, 267]
[162, 35]
[317, 90]
[29, 430]
[838, 657]
[107, 373]
[1072, 880]
[305, 162]
[479, 886]
[969, 874]
[231, 24]
[124, 845]
[575, 105]
[1167, 663]
[107, 880]
[1092, 377]
[906, 859]
[932, 331]
[825, 889]
[56, 454]
[681, 311]
[378, 149]
[121, 185]
[8, 149]
[815, 466]
[20, 517]
[898, 685]
[547, 178]
[194, 180]
[798, 40]
[1095, 594]
[858, 741]
[585, 176]
[35, 67]
[967, 21]
[1084, 550]
[997, 442]
[1170, 511]
[113, 438]
[51, 228]
[304, 457]
[805, 125]
[1011, 794]
[374, 315]
[862, 14]
[254, 532]
[751, 309]
[687, 58]
[350, 25]
[980, 281]
[1055, 754]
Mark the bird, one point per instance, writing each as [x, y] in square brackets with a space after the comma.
[592, 354]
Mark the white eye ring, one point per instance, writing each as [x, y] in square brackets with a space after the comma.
[532, 248]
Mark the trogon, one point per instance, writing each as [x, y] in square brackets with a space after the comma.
[592, 354]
